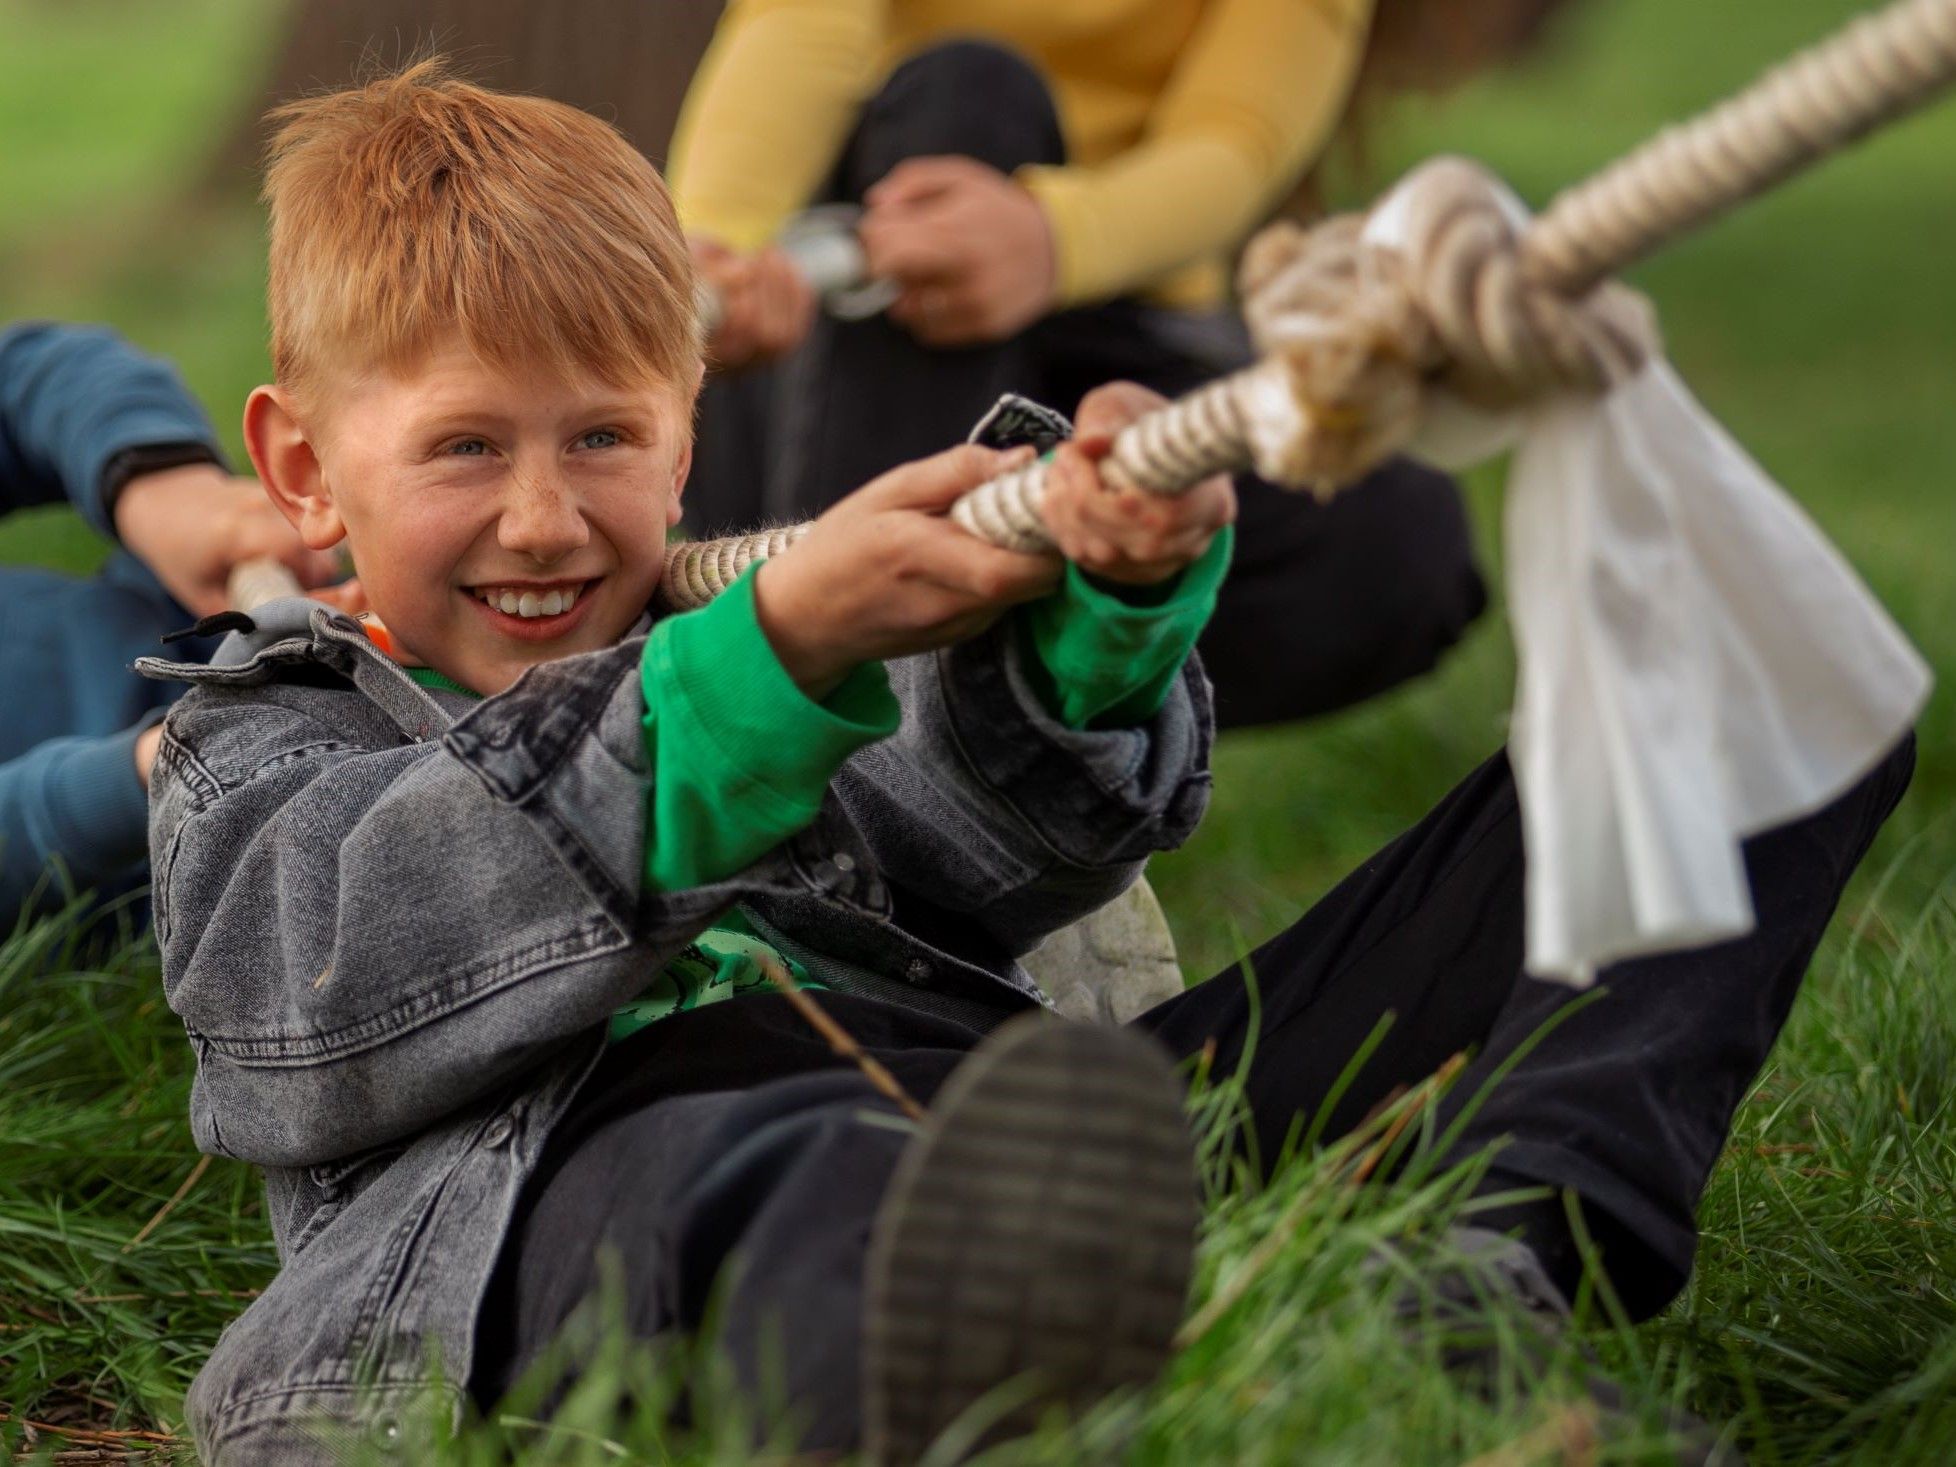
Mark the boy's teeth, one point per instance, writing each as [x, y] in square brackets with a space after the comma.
[529, 603]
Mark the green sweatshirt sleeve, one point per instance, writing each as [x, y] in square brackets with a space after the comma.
[740, 756]
[1110, 655]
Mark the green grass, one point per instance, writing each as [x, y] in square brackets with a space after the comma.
[1820, 326]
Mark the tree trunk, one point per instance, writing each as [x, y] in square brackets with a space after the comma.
[627, 61]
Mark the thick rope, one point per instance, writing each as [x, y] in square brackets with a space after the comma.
[1880, 67]
[697, 571]
[1489, 307]
[254, 582]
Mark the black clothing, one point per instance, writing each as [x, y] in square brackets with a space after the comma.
[733, 1132]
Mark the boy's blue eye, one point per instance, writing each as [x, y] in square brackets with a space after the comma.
[600, 438]
[469, 447]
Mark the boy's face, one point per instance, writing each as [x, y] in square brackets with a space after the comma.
[499, 521]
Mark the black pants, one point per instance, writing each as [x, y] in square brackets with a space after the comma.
[733, 1133]
[1347, 598]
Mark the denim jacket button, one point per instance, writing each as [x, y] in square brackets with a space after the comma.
[498, 1132]
[387, 1433]
[844, 862]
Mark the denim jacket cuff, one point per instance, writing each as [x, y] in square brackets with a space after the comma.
[1099, 796]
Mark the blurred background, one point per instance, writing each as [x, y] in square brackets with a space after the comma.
[1820, 325]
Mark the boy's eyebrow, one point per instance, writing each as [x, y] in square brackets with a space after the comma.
[636, 413]
[448, 420]
[452, 420]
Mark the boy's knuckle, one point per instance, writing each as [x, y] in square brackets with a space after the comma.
[905, 543]
[995, 582]
[938, 610]
[970, 461]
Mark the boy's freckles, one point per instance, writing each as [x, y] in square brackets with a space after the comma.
[500, 520]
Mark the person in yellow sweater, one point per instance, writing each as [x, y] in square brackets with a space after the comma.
[1055, 187]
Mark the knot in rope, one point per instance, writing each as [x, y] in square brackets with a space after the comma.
[1435, 286]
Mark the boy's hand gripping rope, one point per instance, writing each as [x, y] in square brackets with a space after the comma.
[1355, 335]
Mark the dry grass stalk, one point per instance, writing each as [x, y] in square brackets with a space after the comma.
[183, 1191]
[90, 1436]
[839, 1039]
[1569, 1436]
[168, 1294]
[1431, 1088]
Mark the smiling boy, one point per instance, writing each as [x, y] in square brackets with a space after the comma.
[421, 912]
[474, 945]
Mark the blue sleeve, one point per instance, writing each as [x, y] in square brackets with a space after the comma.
[76, 799]
[71, 399]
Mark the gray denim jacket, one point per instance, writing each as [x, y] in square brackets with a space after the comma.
[395, 922]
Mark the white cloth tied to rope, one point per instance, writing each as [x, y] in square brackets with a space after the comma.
[1697, 662]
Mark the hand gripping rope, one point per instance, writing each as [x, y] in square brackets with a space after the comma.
[1354, 336]
[823, 245]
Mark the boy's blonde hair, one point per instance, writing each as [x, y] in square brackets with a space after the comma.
[419, 203]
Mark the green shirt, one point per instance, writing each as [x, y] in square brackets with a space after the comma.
[740, 757]
[1111, 654]
[725, 961]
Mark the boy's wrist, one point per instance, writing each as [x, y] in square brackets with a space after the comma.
[795, 634]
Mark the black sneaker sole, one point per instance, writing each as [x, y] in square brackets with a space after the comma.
[1040, 1231]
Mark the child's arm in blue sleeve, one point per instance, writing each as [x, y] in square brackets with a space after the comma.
[79, 406]
[76, 798]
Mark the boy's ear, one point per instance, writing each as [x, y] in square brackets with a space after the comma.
[289, 468]
[680, 470]
[689, 407]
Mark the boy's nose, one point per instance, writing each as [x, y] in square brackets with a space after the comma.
[542, 519]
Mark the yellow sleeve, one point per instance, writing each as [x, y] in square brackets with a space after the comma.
[769, 110]
[1251, 103]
